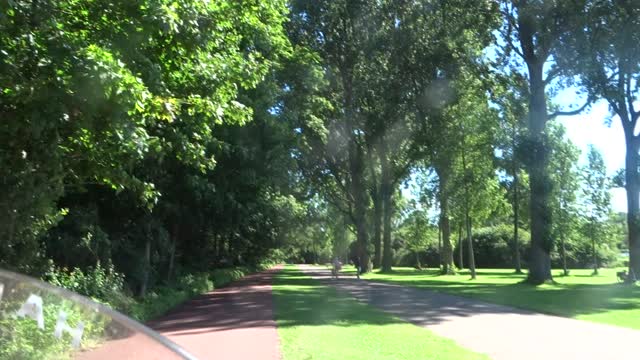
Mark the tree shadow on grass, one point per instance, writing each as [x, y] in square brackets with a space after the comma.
[417, 306]
[570, 300]
[303, 301]
[437, 273]
[414, 305]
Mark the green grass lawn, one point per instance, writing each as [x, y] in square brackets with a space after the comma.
[317, 322]
[579, 295]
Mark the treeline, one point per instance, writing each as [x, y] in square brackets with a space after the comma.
[456, 97]
[588, 233]
[163, 138]
[140, 134]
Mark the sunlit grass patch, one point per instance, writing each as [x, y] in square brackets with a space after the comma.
[318, 322]
[580, 295]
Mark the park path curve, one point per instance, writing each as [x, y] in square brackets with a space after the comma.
[501, 332]
[234, 322]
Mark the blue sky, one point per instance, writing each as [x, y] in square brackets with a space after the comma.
[590, 128]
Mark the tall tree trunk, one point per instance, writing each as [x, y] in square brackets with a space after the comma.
[172, 250]
[632, 179]
[467, 218]
[447, 251]
[386, 193]
[377, 214]
[216, 245]
[147, 267]
[377, 229]
[356, 170]
[595, 254]
[418, 265]
[472, 259]
[516, 213]
[231, 259]
[360, 212]
[563, 253]
[387, 257]
[440, 258]
[540, 182]
[460, 252]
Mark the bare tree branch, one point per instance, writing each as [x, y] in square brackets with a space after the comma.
[570, 113]
[507, 35]
[552, 74]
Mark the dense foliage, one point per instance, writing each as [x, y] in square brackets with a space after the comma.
[120, 135]
[144, 144]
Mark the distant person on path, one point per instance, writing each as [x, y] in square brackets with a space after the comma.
[337, 266]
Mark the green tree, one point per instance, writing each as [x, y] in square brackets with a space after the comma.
[392, 134]
[596, 200]
[436, 49]
[417, 233]
[341, 50]
[532, 31]
[123, 110]
[604, 54]
[566, 177]
[476, 189]
[378, 61]
[512, 112]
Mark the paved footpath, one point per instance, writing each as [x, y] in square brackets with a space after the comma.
[234, 322]
[502, 332]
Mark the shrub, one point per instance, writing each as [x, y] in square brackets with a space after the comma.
[158, 302]
[273, 257]
[100, 283]
[406, 258]
[580, 256]
[161, 299]
[222, 277]
[194, 284]
[105, 285]
[494, 247]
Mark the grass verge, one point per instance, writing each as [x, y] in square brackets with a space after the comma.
[580, 295]
[317, 322]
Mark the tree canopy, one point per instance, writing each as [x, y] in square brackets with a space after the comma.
[168, 137]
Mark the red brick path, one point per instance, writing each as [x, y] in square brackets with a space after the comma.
[235, 322]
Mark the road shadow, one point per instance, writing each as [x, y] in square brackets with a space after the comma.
[418, 306]
[501, 332]
[303, 301]
[563, 299]
[244, 304]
